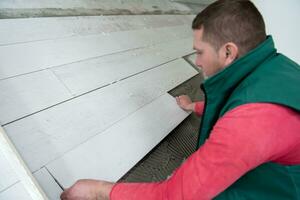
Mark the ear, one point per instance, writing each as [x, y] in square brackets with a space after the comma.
[229, 52]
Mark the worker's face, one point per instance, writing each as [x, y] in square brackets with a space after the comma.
[208, 59]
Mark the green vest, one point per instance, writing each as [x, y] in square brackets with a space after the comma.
[262, 75]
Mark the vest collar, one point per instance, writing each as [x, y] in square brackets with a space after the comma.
[227, 79]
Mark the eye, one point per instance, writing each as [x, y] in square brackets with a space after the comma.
[199, 52]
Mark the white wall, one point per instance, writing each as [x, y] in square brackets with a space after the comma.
[282, 21]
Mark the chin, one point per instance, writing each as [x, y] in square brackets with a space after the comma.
[205, 76]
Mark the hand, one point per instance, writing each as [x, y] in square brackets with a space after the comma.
[88, 190]
[185, 103]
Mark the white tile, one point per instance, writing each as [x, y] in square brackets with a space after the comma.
[84, 76]
[23, 95]
[7, 174]
[109, 155]
[33, 29]
[192, 59]
[28, 57]
[15, 192]
[61, 128]
[17, 171]
[48, 184]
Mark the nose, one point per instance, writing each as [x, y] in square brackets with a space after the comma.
[198, 62]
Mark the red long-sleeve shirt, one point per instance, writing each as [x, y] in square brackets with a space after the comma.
[244, 138]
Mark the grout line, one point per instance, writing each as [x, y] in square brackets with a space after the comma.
[86, 59]
[61, 81]
[53, 105]
[191, 63]
[10, 186]
[149, 69]
[56, 181]
[88, 34]
[14, 76]
[90, 58]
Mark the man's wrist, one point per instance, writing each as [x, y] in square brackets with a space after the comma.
[192, 107]
[105, 190]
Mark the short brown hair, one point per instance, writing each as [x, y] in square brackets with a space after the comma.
[237, 21]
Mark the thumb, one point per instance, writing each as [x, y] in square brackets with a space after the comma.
[64, 195]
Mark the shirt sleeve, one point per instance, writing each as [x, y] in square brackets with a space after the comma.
[241, 140]
[199, 107]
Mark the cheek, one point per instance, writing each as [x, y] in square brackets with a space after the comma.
[216, 67]
[212, 66]
[207, 63]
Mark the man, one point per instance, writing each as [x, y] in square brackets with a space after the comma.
[249, 144]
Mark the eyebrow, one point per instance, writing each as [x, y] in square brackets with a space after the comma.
[196, 49]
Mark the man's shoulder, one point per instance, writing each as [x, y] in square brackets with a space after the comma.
[272, 82]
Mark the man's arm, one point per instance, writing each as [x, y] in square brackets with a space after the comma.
[242, 139]
[185, 103]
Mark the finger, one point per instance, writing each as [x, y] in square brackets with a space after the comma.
[178, 100]
[64, 195]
